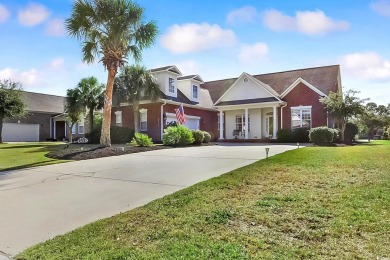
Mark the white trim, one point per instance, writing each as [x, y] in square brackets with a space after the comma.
[256, 81]
[118, 113]
[193, 79]
[187, 116]
[252, 105]
[167, 70]
[301, 107]
[300, 80]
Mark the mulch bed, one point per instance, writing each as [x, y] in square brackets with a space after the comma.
[92, 153]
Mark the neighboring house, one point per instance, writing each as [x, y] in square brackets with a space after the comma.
[247, 107]
[45, 120]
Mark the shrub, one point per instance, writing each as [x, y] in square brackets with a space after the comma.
[119, 135]
[177, 136]
[321, 135]
[207, 137]
[285, 136]
[301, 135]
[142, 140]
[385, 135]
[198, 136]
[351, 130]
[336, 135]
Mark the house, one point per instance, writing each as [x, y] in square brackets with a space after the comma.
[248, 107]
[45, 120]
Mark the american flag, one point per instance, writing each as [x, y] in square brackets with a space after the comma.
[180, 116]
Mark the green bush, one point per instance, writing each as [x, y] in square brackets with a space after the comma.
[198, 136]
[321, 135]
[119, 135]
[207, 137]
[351, 130]
[336, 135]
[142, 140]
[301, 135]
[285, 136]
[177, 136]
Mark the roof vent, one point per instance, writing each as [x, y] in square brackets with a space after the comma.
[245, 80]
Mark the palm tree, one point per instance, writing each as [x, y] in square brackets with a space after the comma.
[91, 96]
[110, 30]
[136, 83]
[74, 110]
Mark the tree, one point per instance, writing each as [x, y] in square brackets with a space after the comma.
[136, 83]
[11, 102]
[74, 110]
[91, 96]
[375, 117]
[111, 30]
[344, 107]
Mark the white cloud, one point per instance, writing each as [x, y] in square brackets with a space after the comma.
[29, 78]
[367, 65]
[193, 37]
[381, 6]
[305, 22]
[252, 53]
[187, 67]
[56, 64]
[55, 27]
[242, 15]
[33, 14]
[4, 14]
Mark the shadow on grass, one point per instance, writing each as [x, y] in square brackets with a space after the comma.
[29, 165]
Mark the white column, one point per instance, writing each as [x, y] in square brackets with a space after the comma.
[246, 124]
[275, 122]
[65, 128]
[55, 129]
[221, 125]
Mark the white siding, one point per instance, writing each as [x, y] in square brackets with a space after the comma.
[163, 81]
[246, 90]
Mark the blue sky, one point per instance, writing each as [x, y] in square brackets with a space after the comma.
[215, 39]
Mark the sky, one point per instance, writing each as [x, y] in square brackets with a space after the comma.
[215, 39]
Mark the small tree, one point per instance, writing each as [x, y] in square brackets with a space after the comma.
[374, 118]
[344, 107]
[91, 95]
[11, 102]
[134, 84]
[74, 110]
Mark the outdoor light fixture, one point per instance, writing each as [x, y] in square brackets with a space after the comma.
[298, 145]
[266, 152]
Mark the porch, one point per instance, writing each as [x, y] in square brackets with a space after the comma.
[248, 123]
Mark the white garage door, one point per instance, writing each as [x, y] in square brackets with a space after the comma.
[192, 122]
[20, 132]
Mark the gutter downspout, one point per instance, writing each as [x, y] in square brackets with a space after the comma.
[162, 119]
[51, 127]
[281, 116]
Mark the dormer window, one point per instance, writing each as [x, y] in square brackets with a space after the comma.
[171, 88]
[195, 92]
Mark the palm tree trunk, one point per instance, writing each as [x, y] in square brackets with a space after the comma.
[136, 117]
[90, 120]
[69, 127]
[1, 130]
[105, 139]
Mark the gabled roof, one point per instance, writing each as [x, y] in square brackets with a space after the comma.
[325, 79]
[37, 102]
[194, 77]
[171, 68]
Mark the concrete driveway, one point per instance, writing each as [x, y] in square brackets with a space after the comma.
[40, 203]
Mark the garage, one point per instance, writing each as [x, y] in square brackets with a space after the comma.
[192, 122]
[13, 132]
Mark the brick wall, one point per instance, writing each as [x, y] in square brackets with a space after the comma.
[208, 121]
[302, 95]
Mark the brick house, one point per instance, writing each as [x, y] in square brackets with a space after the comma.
[45, 120]
[247, 107]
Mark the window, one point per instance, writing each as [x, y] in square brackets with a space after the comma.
[81, 126]
[300, 117]
[240, 122]
[171, 86]
[143, 115]
[195, 92]
[74, 129]
[118, 118]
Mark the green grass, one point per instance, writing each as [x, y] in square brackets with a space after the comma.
[310, 203]
[24, 155]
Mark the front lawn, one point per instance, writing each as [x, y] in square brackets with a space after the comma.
[315, 202]
[23, 155]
